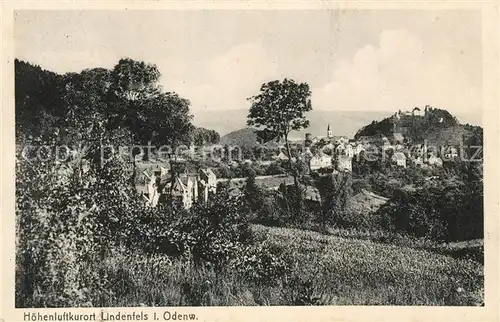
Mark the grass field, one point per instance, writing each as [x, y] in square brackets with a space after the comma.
[364, 272]
[325, 270]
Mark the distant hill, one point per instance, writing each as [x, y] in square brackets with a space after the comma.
[245, 137]
[342, 122]
[437, 126]
[248, 137]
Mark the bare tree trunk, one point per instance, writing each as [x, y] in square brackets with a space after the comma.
[290, 164]
[173, 176]
[297, 203]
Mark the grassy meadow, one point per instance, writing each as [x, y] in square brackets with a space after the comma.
[324, 270]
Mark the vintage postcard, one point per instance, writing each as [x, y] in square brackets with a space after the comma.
[239, 161]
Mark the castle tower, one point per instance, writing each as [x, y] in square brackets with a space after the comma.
[308, 139]
[329, 133]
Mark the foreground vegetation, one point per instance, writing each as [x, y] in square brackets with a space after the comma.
[317, 270]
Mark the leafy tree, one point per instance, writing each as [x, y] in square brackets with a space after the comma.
[150, 115]
[135, 80]
[203, 136]
[274, 169]
[279, 109]
[133, 85]
[223, 171]
[335, 191]
[474, 143]
[169, 120]
[38, 100]
[252, 193]
[85, 123]
[245, 169]
[65, 218]
[443, 209]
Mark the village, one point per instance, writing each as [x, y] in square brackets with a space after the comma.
[323, 155]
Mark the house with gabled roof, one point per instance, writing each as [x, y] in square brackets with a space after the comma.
[283, 156]
[148, 188]
[319, 161]
[433, 160]
[398, 138]
[184, 190]
[400, 159]
[207, 183]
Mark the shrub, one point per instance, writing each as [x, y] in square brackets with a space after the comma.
[217, 228]
[271, 213]
[65, 217]
[452, 212]
[208, 232]
[259, 264]
[58, 227]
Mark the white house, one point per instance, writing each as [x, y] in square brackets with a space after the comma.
[417, 112]
[341, 140]
[320, 161]
[398, 138]
[399, 147]
[418, 150]
[264, 162]
[283, 156]
[184, 190]
[306, 155]
[400, 159]
[435, 161]
[451, 153]
[417, 161]
[359, 148]
[150, 191]
[345, 149]
[207, 183]
[349, 150]
[330, 146]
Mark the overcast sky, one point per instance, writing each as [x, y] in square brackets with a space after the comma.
[352, 60]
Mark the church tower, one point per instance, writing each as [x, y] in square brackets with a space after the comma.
[329, 133]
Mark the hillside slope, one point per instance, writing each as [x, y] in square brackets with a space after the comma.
[361, 272]
[437, 126]
[342, 122]
[245, 137]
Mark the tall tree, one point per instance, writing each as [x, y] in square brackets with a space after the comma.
[38, 100]
[335, 191]
[133, 84]
[139, 105]
[169, 120]
[135, 80]
[279, 109]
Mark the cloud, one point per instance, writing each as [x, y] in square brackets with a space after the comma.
[230, 78]
[398, 73]
[242, 66]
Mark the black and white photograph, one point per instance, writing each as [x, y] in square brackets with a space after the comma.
[234, 158]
